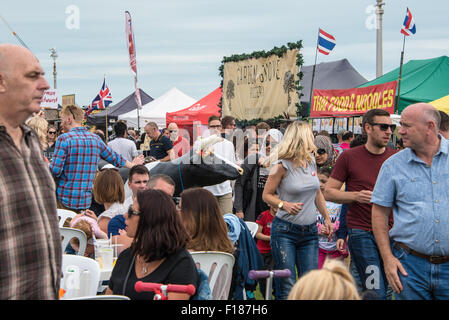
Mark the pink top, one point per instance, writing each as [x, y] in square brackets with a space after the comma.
[93, 223]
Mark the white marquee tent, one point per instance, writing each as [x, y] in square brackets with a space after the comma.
[156, 110]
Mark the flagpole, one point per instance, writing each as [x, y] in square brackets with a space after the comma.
[400, 77]
[313, 73]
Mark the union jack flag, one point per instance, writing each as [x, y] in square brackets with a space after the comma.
[408, 27]
[102, 100]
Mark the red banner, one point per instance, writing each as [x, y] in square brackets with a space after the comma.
[132, 56]
[353, 102]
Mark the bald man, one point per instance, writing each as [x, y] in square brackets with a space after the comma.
[180, 144]
[414, 183]
[30, 250]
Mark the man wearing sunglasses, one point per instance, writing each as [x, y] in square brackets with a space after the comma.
[414, 185]
[358, 168]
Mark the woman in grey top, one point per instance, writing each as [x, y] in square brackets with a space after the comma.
[293, 176]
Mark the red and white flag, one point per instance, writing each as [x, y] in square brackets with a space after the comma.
[132, 55]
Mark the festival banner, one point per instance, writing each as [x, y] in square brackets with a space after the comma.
[50, 99]
[132, 56]
[353, 102]
[261, 87]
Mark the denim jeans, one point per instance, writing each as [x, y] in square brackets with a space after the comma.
[292, 246]
[425, 281]
[366, 257]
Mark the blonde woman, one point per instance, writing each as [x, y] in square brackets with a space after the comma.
[332, 282]
[294, 234]
[40, 125]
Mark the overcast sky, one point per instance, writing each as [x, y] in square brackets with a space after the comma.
[181, 43]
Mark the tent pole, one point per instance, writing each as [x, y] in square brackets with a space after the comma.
[313, 73]
[400, 78]
[107, 127]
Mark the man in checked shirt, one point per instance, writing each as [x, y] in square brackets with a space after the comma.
[75, 161]
[30, 250]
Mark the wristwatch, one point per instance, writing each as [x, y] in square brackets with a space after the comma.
[281, 204]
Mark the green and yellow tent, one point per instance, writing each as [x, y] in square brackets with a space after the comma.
[422, 81]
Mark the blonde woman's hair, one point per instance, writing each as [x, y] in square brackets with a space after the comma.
[40, 125]
[296, 145]
[332, 282]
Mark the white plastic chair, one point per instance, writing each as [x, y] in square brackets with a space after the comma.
[102, 297]
[218, 266]
[63, 214]
[69, 233]
[253, 227]
[74, 282]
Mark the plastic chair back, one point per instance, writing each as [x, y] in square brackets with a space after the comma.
[218, 266]
[63, 214]
[74, 281]
[69, 233]
[253, 227]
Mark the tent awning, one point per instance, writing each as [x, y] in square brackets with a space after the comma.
[200, 111]
[155, 111]
[422, 80]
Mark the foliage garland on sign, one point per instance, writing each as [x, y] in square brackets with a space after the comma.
[265, 54]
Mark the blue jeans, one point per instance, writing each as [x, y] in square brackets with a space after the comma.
[365, 254]
[292, 246]
[425, 281]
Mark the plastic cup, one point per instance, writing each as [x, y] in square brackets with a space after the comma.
[107, 256]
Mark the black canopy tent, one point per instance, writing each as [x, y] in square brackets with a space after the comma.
[127, 104]
[338, 74]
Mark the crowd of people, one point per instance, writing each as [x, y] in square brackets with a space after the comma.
[356, 218]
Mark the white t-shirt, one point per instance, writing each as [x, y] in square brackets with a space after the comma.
[225, 149]
[125, 147]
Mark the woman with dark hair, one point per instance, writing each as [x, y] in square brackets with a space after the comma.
[201, 215]
[157, 253]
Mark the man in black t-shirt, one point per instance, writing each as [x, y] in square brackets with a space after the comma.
[161, 147]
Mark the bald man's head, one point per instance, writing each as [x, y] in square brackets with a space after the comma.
[425, 113]
[22, 82]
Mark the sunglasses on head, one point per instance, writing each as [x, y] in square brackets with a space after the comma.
[321, 151]
[385, 126]
[71, 112]
[132, 212]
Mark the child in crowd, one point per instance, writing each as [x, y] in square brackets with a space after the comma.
[87, 223]
[328, 247]
[263, 237]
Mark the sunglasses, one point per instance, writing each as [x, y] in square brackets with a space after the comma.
[51, 132]
[171, 131]
[273, 144]
[321, 151]
[132, 212]
[384, 126]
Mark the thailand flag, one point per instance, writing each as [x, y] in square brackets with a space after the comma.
[408, 28]
[101, 101]
[326, 42]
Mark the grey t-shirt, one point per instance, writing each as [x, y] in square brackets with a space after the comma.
[299, 185]
[125, 147]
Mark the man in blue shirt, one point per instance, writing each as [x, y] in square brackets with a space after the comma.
[75, 160]
[161, 147]
[414, 183]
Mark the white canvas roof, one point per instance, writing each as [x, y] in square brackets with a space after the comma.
[156, 110]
